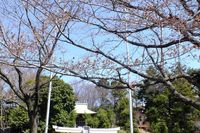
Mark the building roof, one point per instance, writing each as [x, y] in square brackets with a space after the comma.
[82, 108]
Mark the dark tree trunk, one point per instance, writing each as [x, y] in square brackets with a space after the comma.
[33, 116]
[33, 120]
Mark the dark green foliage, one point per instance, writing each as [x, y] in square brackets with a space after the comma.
[104, 118]
[121, 109]
[122, 113]
[165, 112]
[18, 119]
[92, 121]
[159, 127]
[61, 109]
[115, 114]
[62, 104]
[195, 77]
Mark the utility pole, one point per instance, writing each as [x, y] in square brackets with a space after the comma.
[48, 104]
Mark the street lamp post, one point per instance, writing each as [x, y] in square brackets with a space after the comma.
[48, 103]
[130, 93]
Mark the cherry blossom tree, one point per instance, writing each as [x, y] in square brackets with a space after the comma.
[163, 34]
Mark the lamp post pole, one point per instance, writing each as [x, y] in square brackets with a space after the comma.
[48, 104]
[130, 93]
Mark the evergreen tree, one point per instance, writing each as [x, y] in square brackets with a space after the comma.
[165, 112]
[18, 119]
[114, 113]
[61, 109]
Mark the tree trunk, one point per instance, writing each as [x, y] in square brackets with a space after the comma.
[33, 120]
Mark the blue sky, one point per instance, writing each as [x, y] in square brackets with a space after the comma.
[82, 33]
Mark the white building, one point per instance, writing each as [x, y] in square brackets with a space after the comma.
[81, 109]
